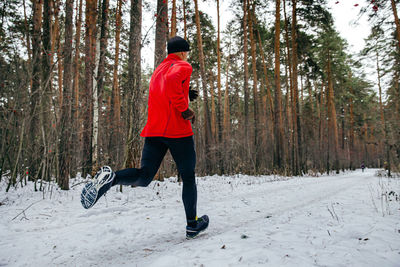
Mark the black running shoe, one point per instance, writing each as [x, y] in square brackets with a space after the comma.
[201, 224]
[93, 190]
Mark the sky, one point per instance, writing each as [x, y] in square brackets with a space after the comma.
[351, 27]
[345, 14]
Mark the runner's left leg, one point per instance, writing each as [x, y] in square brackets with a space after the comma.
[152, 155]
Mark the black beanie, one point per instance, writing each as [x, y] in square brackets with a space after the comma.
[177, 44]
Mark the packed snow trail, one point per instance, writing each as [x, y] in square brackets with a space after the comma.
[343, 220]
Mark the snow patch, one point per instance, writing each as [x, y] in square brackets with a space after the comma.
[351, 219]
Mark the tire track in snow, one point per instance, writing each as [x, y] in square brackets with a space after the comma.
[309, 191]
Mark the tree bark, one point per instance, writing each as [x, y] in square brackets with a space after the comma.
[213, 109]
[173, 20]
[161, 32]
[57, 44]
[289, 112]
[55, 27]
[378, 72]
[207, 123]
[255, 87]
[267, 102]
[103, 49]
[279, 151]
[246, 74]
[27, 37]
[219, 115]
[132, 153]
[322, 119]
[115, 99]
[96, 98]
[333, 131]
[46, 82]
[267, 82]
[382, 117]
[87, 100]
[65, 158]
[396, 21]
[184, 19]
[296, 106]
[351, 141]
[35, 90]
[98, 81]
[279, 148]
[76, 117]
[227, 119]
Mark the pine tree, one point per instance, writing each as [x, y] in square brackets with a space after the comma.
[66, 118]
[134, 87]
[161, 32]
[279, 147]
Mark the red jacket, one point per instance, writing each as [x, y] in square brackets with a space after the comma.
[168, 98]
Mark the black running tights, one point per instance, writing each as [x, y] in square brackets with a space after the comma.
[154, 150]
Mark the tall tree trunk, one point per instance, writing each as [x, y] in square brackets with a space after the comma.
[35, 92]
[333, 131]
[115, 99]
[132, 153]
[279, 149]
[103, 48]
[246, 74]
[46, 81]
[55, 28]
[66, 119]
[173, 20]
[268, 106]
[213, 110]
[351, 141]
[382, 117]
[184, 19]
[55, 44]
[219, 115]
[396, 20]
[87, 100]
[227, 119]
[27, 37]
[161, 32]
[296, 106]
[321, 119]
[207, 123]
[267, 82]
[290, 118]
[57, 39]
[96, 95]
[255, 87]
[378, 71]
[98, 81]
[77, 124]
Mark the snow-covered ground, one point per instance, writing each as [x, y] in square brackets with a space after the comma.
[351, 219]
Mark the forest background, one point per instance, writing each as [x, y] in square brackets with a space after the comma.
[279, 92]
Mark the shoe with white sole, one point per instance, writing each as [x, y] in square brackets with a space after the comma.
[100, 184]
[197, 226]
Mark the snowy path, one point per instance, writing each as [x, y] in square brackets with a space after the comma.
[326, 221]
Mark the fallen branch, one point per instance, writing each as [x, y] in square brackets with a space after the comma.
[23, 212]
